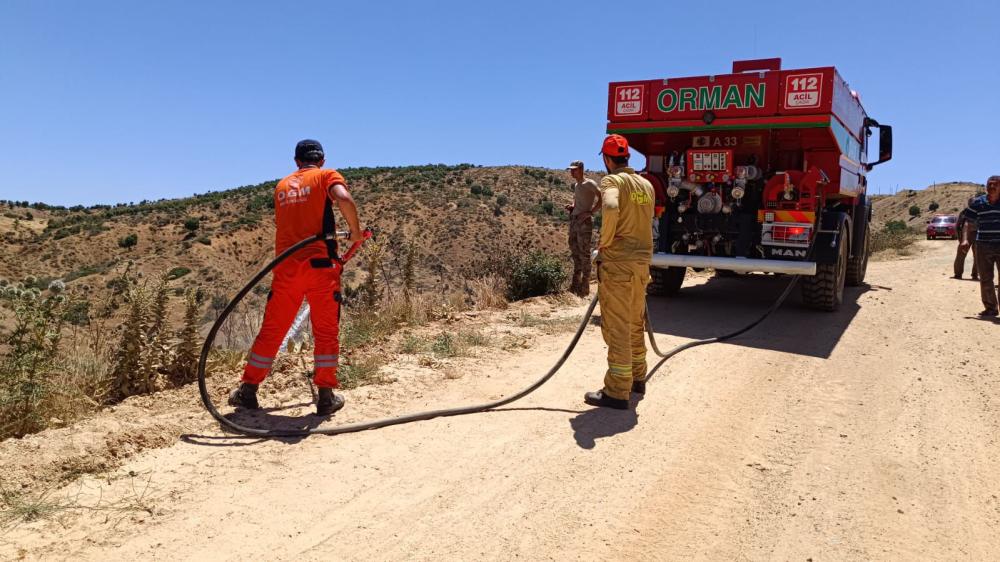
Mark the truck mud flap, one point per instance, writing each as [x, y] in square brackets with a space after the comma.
[827, 244]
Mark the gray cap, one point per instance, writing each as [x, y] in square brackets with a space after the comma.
[575, 164]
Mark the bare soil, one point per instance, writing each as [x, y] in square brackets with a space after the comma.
[869, 433]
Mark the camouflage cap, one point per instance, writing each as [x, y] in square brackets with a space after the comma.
[575, 164]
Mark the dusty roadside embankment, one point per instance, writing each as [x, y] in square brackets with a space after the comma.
[870, 433]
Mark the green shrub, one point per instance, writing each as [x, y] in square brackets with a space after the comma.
[128, 241]
[534, 274]
[894, 235]
[476, 189]
[895, 226]
[446, 345]
[177, 273]
[547, 207]
[192, 223]
[914, 211]
[502, 200]
[933, 206]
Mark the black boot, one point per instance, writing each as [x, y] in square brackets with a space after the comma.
[328, 402]
[245, 396]
[598, 398]
[639, 387]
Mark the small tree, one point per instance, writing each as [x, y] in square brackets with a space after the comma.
[192, 223]
[914, 211]
[933, 206]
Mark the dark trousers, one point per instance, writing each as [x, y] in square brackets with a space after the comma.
[988, 261]
[960, 260]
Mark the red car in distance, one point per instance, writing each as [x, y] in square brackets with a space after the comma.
[942, 226]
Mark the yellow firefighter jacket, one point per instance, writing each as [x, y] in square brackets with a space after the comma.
[627, 217]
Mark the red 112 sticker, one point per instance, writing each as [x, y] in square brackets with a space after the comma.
[803, 90]
[628, 100]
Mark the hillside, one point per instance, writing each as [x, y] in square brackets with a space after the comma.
[453, 216]
[950, 197]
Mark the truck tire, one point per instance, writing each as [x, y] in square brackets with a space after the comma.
[665, 282]
[825, 290]
[857, 266]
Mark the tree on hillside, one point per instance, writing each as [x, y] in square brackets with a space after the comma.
[914, 211]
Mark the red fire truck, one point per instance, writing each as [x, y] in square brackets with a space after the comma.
[759, 170]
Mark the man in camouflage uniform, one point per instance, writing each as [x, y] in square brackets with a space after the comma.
[624, 253]
[586, 201]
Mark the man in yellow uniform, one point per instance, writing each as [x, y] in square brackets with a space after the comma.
[624, 251]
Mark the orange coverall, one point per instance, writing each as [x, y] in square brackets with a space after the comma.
[302, 208]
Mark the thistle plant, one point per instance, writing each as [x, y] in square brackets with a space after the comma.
[31, 358]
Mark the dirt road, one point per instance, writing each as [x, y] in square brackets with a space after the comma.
[871, 433]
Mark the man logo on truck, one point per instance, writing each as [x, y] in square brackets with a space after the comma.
[705, 97]
[788, 253]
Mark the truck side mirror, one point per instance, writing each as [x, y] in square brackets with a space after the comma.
[884, 141]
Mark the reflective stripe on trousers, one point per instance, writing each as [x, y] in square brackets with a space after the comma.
[293, 281]
[621, 291]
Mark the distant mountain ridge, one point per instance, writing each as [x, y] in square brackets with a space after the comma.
[950, 198]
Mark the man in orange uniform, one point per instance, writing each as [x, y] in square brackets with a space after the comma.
[303, 207]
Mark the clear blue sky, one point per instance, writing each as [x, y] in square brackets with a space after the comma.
[104, 102]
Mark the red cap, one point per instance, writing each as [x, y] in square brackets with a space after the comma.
[615, 145]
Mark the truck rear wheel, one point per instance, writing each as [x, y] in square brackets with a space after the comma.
[665, 282]
[825, 290]
[857, 266]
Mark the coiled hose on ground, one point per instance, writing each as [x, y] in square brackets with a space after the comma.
[419, 416]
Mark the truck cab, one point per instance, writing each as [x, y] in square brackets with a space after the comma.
[762, 169]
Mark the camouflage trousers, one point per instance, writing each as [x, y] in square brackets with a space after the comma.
[580, 233]
[621, 290]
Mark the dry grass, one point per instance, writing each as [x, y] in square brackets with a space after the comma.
[900, 241]
[360, 369]
[25, 507]
[489, 292]
[412, 344]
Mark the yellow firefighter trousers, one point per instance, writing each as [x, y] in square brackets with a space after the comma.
[621, 291]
